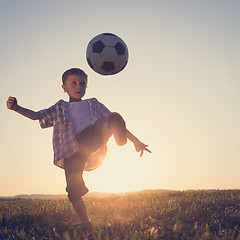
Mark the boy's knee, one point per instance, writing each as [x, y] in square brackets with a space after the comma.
[76, 192]
[115, 117]
[115, 114]
[76, 187]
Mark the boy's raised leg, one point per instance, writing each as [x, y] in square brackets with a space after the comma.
[117, 126]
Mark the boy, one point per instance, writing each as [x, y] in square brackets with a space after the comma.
[81, 131]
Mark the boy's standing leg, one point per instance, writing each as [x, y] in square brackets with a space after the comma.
[81, 210]
[75, 185]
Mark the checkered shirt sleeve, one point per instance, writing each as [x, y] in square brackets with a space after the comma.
[47, 117]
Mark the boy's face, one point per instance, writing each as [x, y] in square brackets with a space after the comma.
[75, 87]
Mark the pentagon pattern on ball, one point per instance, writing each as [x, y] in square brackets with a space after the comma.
[120, 48]
[107, 54]
[108, 66]
[98, 46]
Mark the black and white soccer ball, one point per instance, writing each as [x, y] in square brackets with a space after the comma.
[107, 54]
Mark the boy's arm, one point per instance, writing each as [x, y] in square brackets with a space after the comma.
[13, 105]
[139, 146]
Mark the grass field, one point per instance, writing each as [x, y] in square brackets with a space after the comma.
[212, 214]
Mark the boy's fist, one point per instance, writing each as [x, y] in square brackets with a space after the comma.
[12, 103]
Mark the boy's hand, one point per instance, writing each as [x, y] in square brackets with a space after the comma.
[12, 103]
[139, 146]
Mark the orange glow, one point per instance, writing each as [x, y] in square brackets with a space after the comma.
[122, 171]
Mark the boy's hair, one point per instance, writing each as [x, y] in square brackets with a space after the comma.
[71, 71]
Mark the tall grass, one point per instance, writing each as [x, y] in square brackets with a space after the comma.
[163, 215]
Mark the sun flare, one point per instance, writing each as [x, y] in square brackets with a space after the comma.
[122, 171]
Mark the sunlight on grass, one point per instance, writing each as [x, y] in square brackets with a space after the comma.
[154, 215]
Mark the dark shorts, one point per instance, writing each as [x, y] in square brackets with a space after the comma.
[90, 140]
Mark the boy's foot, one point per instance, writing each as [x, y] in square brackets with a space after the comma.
[118, 128]
[85, 226]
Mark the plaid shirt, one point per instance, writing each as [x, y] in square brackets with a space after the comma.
[64, 141]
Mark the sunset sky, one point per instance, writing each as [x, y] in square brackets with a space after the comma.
[179, 92]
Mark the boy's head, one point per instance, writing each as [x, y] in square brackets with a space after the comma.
[73, 71]
[74, 83]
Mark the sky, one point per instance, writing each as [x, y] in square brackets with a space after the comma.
[179, 92]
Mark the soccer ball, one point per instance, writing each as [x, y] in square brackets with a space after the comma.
[107, 54]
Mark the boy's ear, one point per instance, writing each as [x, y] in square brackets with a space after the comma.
[63, 87]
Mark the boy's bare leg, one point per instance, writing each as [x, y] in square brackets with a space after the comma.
[116, 126]
[81, 210]
[107, 132]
